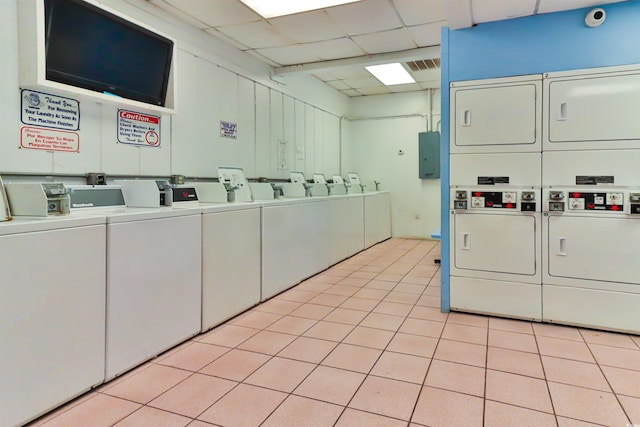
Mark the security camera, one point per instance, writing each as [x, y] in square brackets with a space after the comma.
[595, 17]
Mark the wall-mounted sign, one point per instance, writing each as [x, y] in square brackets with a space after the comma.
[228, 130]
[34, 138]
[138, 129]
[49, 111]
[283, 155]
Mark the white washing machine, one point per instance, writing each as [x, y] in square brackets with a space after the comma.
[591, 241]
[154, 279]
[496, 115]
[52, 312]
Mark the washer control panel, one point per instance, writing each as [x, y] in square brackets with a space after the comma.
[508, 200]
[611, 201]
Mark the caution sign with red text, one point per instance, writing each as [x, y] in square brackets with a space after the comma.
[49, 139]
[138, 129]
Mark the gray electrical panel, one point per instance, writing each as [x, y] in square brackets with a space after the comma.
[429, 155]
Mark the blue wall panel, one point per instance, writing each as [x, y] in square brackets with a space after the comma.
[530, 45]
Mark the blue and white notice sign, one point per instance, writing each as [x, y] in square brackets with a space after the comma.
[49, 111]
[228, 130]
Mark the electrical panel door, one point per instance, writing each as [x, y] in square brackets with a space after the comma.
[592, 111]
[429, 155]
[497, 116]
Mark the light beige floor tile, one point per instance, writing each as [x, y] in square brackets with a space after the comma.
[387, 322]
[329, 300]
[228, 335]
[148, 384]
[329, 331]
[393, 308]
[386, 397]
[353, 281]
[330, 385]
[632, 407]
[245, 405]
[413, 344]
[267, 342]
[587, 405]
[311, 311]
[280, 374]
[352, 358]
[576, 373]
[403, 367]
[194, 357]
[410, 288]
[380, 285]
[515, 362]
[513, 341]
[464, 333]
[461, 352]
[369, 337]
[557, 331]
[235, 365]
[344, 290]
[469, 319]
[456, 377]
[291, 325]
[566, 349]
[442, 408]
[427, 328]
[428, 313]
[99, 411]
[616, 357]
[518, 390]
[623, 381]
[151, 417]
[297, 295]
[278, 306]
[298, 411]
[510, 325]
[315, 284]
[192, 396]
[344, 315]
[308, 349]
[429, 301]
[373, 294]
[402, 298]
[256, 319]
[353, 418]
[500, 415]
[361, 304]
[608, 338]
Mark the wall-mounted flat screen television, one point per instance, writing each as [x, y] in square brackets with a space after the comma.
[90, 48]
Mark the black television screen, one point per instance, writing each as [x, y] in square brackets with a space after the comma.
[91, 48]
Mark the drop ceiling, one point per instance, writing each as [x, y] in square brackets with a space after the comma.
[335, 44]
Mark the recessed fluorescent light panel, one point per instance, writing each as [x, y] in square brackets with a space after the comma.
[391, 74]
[272, 8]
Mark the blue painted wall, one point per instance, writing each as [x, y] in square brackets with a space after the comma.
[531, 45]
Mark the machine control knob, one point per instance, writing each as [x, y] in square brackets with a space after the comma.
[556, 195]
[461, 195]
[634, 197]
[556, 206]
[528, 196]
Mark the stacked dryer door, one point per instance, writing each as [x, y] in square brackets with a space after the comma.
[591, 195]
[495, 216]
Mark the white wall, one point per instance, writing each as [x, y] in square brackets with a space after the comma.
[215, 82]
[380, 126]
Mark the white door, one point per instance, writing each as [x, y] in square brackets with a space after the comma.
[593, 112]
[489, 119]
[491, 243]
[594, 248]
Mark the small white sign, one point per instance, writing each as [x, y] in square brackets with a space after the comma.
[33, 138]
[283, 155]
[228, 130]
[49, 111]
[138, 129]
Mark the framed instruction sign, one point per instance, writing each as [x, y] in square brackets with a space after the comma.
[138, 129]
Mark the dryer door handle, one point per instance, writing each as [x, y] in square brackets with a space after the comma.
[465, 241]
[563, 112]
[465, 115]
[562, 251]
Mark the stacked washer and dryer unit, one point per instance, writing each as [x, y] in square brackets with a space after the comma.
[545, 197]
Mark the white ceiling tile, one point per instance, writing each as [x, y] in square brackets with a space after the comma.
[497, 10]
[427, 34]
[325, 76]
[416, 12]
[308, 27]
[362, 82]
[351, 92]
[555, 5]
[411, 87]
[218, 12]
[263, 58]
[386, 41]
[366, 16]
[226, 39]
[256, 35]
[426, 75]
[338, 84]
[377, 90]
[346, 73]
[336, 49]
[162, 4]
[289, 55]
